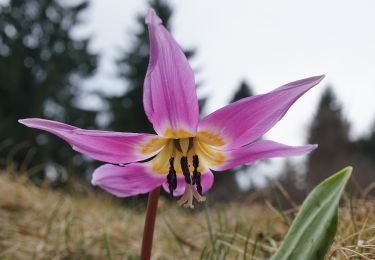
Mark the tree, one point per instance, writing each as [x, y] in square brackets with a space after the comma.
[243, 91]
[367, 142]
[41, 68]
[330, 131]
[127, 109]
[226, 188]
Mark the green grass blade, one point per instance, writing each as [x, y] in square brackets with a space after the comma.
[209, 225]
[255, 247]
[107, 245]
[312, 232]
[247, 242]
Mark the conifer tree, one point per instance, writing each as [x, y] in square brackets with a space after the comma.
[41, 68]
[330, 130]
[367, 143]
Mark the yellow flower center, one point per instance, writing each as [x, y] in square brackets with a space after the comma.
[187, 157]
[186, 147]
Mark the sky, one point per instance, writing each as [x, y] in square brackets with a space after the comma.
[266, 43]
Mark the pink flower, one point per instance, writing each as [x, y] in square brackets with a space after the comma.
[184, 149]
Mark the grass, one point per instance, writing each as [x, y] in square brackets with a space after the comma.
[38, 223]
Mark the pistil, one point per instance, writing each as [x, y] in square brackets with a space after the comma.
[187, 198]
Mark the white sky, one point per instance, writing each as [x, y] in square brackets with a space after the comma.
[268, 43]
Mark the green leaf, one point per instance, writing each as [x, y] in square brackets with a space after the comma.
[312, 232]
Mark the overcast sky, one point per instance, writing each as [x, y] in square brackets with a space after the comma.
[267, 43]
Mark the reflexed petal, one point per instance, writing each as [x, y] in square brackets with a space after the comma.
[207, 180]
[246, 120]
[130, 180]
[113, 147]
[260, 150]
[169, 97]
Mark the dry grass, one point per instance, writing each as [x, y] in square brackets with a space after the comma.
[39, 223]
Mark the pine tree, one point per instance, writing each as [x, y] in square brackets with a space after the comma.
[41, 68]
[226, 188]
[330, 131]
[363, 161]
[127, 109]
[244, 90]
[367, 143]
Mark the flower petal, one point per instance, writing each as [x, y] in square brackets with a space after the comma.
[260, 150]
[207, 180]
[169, 98]
[130, 180]
[112, 147]
[246, 120]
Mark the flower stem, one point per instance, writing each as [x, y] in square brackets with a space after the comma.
[148, 231]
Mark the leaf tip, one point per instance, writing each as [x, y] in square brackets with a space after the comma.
[347, 171]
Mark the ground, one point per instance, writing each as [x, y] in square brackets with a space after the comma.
[39, 223]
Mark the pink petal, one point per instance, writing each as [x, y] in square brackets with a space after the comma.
[169, 98]
[260, 150]
[130, 180]
[112, 147]
[207, 180]
[247, 119]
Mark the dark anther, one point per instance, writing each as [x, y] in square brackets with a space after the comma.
[185, 169]
[195, 161]
[172, 177]
[197, 175]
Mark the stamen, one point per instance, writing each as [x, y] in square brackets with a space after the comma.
[196, 180]
[172, 177]
[176, 143]
[183, 145]
[185, 169]
[195, 161]
[191, 143]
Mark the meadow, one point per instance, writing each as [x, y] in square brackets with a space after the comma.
[40, 223]
[212, 96]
